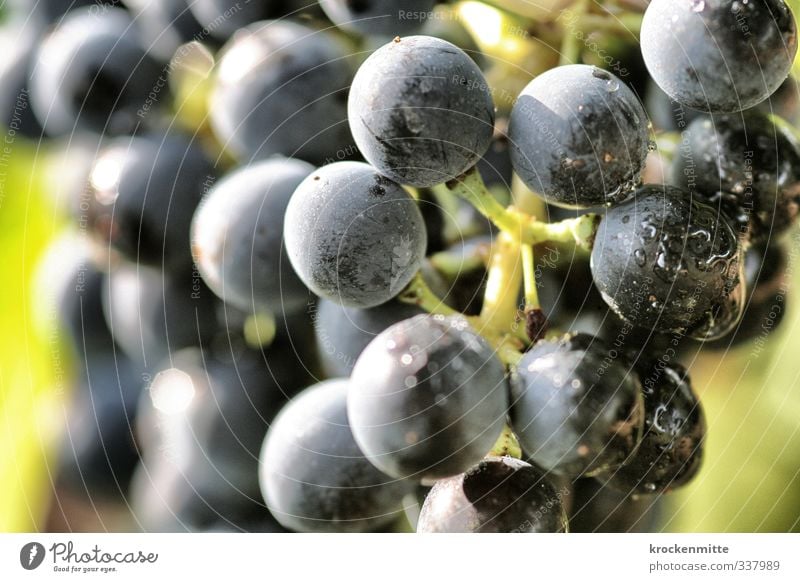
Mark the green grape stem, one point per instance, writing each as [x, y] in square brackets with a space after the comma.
[508, 348]
[524, 227]
[507, 445]
[499, 309]
[529, 278]
[510, 266]
[452, 264]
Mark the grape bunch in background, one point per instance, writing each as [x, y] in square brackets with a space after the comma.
[348, 267]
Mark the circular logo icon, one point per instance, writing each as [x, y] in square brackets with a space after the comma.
[31, 555]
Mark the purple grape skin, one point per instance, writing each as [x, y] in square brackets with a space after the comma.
[421, 111]
[576, 410]
[313, 476]
[280, 88]
[719, 56]
[578, 137]
[237, 237]
[428, 398]
[498, 495]
[354, 236]
[667, 262]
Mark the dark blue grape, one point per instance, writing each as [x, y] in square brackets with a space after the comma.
[578, 137]
[428, 398]
[16, 113]
[92, 74]
[201, 425]
[98, 452]
[152, 314]
[222, 18]
[767, 284]
[666, 262]
[576, 407]
[665, 113]
[720, 56]
[353, 236]
[597, 508]
[40, 14]
[499, 495]
[165, 24]
[69, 272]
[237, 237]
[281, 88]
[671, 449]
[421, 111]
[495, 165]
[378, 17]
[141, 196]
[745, 166]
[342, 333]
[313, 476]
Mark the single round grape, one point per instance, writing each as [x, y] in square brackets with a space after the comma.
[576, 407]
[92, 74]
[152, 314]
[671, 449]
[719, 56]
[498, 495]
[237, 237]
[378, 17]
[313, 476]
[428, 398]
[666, 262]
[141, 195]
[354, 236]
[578, 137]
[747, 167]
[421, 111]
[281, 88]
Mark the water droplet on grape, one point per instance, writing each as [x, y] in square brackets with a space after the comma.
[640, 257]
[698, 5]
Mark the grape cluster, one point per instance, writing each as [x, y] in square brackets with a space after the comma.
[309, 286]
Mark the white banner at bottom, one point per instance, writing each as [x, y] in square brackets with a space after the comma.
[390, 557]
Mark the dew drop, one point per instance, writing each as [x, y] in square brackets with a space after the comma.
[612, 86]
[640, 257]
[698, 5]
